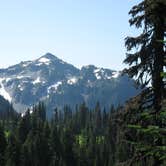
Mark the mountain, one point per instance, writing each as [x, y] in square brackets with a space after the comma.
[56, 82]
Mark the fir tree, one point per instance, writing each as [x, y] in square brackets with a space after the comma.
[147, 63]
[12, 154]
[3, 144]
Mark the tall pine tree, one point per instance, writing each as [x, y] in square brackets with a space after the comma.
[147, 61]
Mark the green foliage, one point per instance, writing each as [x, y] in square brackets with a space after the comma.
[76, 138]
[163, 74]
[148, 141]
[3, 144]
[100, 140]
[145, 130]
[82, 140]
[73, 139]
[7, 134]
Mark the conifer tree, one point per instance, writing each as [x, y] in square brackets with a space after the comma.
[12, 154]
[98, 118]
[83, 115]
[55, 146]
[146, 65]
[68, 141]
[3, 144]
[23, 128]
[147, 62]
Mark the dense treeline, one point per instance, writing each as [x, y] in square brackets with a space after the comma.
[72, 137]
[80, 137]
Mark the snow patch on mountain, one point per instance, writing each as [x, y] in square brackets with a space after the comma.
[100, 73]
[8, 79]
[20, 77]
[54, 87]
[20, 87]
[72, 80]
[115, 74]
[98, 76]
[3, 91]
[108, 77]
[97, 70]
[44, 60]
[39, 64]
[37, 81]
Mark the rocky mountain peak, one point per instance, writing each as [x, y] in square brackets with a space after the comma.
[49, 56]
[58, 83]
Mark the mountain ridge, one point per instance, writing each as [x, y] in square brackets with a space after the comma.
[57, 83]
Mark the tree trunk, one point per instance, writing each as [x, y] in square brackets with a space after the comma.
[158, 84]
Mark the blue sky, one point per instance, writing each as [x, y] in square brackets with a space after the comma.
[80, 32]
